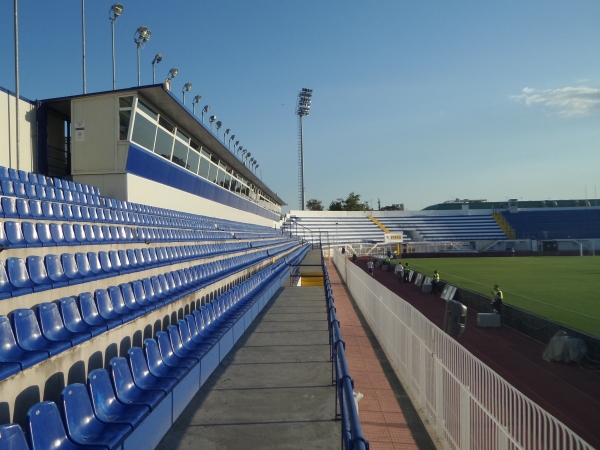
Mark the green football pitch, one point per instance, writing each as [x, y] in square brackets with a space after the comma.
[564, 289]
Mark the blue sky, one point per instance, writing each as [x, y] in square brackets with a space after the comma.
[414, 102]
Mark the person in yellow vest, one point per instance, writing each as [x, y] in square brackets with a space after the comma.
[497, 299]
[435, 279]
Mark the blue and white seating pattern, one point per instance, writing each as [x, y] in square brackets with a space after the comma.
[133, 404]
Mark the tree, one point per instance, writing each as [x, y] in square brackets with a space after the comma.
[314, 205]
[351, 203]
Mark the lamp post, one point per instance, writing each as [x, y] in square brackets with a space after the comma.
[196, 100]
[225, 133]
[187, 87]
[231, 138]
[219, 124]
[82, 42]
[247, 156]
[158, 58]
[304, 101]
[239, 149]
[211, 119]
[115, 11]
[205, 110]
[141, 36]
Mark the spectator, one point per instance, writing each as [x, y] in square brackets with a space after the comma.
[406, 273]
[399, 271]
[497, 299]
[434, 281]
[370, 267]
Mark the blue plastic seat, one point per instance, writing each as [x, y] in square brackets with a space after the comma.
[67, 212]
[56, 231]
[7, 188]
[83, 265]
[126, 390]
[46, 430]
[68, 232]
[22, 207]
[44, 234]
[106, 406]
[40, 190]
[29, 336]
[198, 346]
[9, 207]
[115, 262]
[142, 376]
[132, 259]
[12, 437]
[82, 426]
[177, 344]
[69, 265]
[130, 299]
[14, 234]
[90, 314]
[19, 277]
[129, 312]
[55, 270]
[58, 212]
[19, 188]
[53, 327]
[167, 354]
[68, 196]
[32, 178]
[77, 215]
[30, 191]
[30, 234]
[35, 209]
[39, 275]
[157, 366]
[107, 310]
[96, 266]
[73, 320]
[106, 264]
[85, 233]
[144, 293]
[4, 174]
[124, 259]
[11, 353]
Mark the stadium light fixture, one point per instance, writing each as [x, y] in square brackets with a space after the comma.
[158, 58]
[302, 110]
[205, 110]
[115, 11]
[231, 138]
[172, 74]
[187, 87]
[225, 133]
[196, 100]
[141, 36]
[211, 119]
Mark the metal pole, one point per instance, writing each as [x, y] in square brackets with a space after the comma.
[138, 49]
[112, 26]
[83, 40]
[17, 90]
[302, 193]
[153, 73]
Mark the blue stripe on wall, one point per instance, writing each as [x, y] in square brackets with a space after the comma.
[148, 165]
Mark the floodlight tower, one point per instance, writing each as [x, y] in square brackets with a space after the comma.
[304, 100]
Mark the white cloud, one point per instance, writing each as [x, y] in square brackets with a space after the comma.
[568, 101]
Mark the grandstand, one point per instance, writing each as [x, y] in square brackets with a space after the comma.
[137, 250]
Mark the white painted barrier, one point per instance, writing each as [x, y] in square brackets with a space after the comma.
[468, 405]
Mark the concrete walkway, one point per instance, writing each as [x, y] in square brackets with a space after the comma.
[273, 391]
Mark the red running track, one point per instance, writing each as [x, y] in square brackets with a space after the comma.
[567, 391]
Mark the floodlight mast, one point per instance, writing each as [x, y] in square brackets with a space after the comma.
[303, 109]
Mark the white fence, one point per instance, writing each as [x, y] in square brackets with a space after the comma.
[468, 405]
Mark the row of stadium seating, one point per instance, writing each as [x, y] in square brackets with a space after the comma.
[134, 403]
[23, 176]
[108, 307]
[571, 223]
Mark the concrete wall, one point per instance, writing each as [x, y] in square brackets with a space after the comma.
[8, 133]
[94, 149]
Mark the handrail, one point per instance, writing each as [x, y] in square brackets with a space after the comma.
[352, 435]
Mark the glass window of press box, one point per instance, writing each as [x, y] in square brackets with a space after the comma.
[142, 124]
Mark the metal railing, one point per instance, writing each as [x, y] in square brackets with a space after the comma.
[468, 405]
[352, 435]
